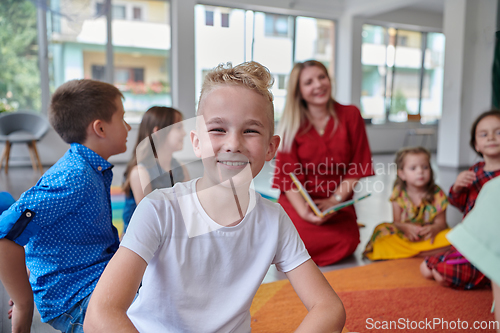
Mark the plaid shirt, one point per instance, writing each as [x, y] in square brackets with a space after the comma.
[466, 197]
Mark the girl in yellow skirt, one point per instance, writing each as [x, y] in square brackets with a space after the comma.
[418, 207]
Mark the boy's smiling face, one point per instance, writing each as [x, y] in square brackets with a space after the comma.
[233, 138]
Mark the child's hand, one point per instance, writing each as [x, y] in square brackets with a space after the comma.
[411, 231]
[464, 179]
[430, 232]
[21, 318]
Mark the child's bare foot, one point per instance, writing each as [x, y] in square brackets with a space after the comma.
[438, 277]
[426, 272]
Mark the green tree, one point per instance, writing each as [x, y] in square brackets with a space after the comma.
[19, 74]
[398, 102]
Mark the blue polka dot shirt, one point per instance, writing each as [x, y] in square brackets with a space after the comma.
[65, 223]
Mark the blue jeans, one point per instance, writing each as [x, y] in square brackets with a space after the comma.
[72, 320]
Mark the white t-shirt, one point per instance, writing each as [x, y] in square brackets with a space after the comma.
[206, 282]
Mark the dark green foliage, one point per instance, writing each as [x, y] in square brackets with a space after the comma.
[398, 102]
[19, 74]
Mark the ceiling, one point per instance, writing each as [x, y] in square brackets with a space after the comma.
[436, 6]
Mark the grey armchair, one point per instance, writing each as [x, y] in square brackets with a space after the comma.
[22, 127]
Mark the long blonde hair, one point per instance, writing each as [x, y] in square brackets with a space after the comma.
[296, 113]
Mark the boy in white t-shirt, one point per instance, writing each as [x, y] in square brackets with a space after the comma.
[203, 247]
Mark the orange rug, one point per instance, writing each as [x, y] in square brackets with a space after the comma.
[381, 297]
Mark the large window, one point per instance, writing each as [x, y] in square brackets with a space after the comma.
[276, 41]
[402, 74]
[141, 42]
[141, 48]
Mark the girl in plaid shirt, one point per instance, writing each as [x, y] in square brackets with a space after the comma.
[451, 268]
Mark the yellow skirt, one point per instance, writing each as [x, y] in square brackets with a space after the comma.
[395, 246]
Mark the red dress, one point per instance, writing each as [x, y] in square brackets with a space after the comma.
[321, 163]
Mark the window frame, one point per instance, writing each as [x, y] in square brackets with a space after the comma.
[141, 13]
[212, 13]
[222, 20]
[424, 31]
[276, 11]
[292, 18]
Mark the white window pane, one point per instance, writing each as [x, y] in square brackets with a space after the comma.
[315, 39]
[275, 51]
[373, 61]
[432, 92]
[119, 12]
[217, 44]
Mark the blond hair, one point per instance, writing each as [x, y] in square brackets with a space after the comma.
[430, 188]
[296, 113]
[251, 75]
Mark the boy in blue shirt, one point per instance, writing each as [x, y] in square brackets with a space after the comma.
[61, 229]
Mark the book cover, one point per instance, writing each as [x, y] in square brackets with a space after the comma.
[315, 208]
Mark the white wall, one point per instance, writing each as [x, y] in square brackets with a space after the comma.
[470, 27]
[391, 137]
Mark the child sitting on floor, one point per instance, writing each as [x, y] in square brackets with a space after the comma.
[418, 207]
[203, 247]
[450, 268]
[477, 238]
[61, 227]
[146, 171]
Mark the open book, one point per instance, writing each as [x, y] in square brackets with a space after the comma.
[315, 208]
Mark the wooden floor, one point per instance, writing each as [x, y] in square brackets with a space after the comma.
[371, 211]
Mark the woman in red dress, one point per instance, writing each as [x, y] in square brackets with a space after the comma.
[325, 145]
